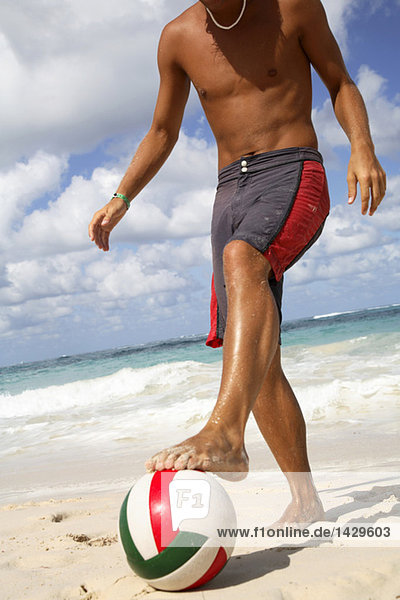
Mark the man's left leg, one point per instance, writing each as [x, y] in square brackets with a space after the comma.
[281, 422]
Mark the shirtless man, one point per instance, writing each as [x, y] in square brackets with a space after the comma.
[250, 64]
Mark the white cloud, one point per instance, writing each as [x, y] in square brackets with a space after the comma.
[66, 295]
[177, 204]
[354, 249]
[24, 183]
[33, 279]
[342, 14]
[50, 255]
[62, 226]
[339, 12]
[384, 113]
[112, 278]
[191, 252]
[349, 271]
[346, 233]
[70, 71]
[39, 318]
[384, 116]
[388, 215]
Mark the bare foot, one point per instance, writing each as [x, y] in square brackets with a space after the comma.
[301, 514]
[205, 451]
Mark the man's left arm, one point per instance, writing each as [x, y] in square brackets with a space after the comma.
[324, 54]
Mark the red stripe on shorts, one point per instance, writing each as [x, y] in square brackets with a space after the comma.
[213, 340]
[310, 209]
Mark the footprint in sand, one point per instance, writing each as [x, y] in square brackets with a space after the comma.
[105, 540]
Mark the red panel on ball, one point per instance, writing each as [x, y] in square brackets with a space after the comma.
[217, 564]
[160, 512]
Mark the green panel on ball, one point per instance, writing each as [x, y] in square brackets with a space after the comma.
[181, 549]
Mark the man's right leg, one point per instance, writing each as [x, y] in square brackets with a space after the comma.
[281, 422]
[250, 342]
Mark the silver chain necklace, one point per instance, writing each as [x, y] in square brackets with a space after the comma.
[233, 24]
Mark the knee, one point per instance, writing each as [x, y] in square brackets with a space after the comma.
[242, 260]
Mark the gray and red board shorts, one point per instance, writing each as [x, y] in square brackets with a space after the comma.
[275, 201]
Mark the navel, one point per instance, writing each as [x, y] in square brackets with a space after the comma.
[272, 73]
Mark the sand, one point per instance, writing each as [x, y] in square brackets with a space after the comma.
[67, 548]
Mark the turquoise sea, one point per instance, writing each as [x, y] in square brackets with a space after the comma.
[80, 420]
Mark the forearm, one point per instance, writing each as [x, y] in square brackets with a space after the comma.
[151, 154]
[364, 168]
[352, 115]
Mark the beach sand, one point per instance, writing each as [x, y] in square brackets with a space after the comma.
[67, 548]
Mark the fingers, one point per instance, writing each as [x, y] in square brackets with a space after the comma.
[376, 195]
[104, 221]
[352, 185]
[99, 228]
[98, 216]
[378, 190]
[105, 235]
[372, 190]
[365, 194]
[97, 233]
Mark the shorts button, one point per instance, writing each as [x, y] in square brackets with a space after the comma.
[244, 163]
[244, 169]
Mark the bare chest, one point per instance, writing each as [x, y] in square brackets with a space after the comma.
[222, 64]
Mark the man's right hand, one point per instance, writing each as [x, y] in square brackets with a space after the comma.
[104, 221]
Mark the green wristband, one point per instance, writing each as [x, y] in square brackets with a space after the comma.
[124, 198]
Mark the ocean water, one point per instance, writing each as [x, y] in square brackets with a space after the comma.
[85, 419]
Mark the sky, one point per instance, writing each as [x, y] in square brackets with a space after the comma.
[77, 92]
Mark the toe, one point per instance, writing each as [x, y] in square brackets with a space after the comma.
[170, 460]
[192, 463]
[160, 461]
[182, 461]
[149, 465]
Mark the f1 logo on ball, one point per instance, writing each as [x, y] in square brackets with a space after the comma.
[189, 499]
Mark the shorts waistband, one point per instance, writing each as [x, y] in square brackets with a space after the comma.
[254, 163]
